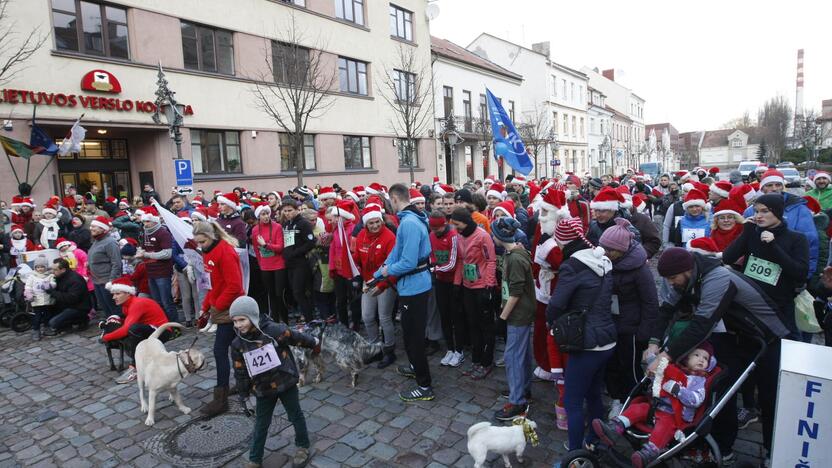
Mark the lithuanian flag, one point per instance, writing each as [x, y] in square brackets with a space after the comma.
[15, 148]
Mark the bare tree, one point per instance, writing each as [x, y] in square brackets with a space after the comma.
[534, 131]
[775, 119]
[407, 87]
[743, 122]
[15, 47]
[298, 86]
[482, 127]
[810, 133]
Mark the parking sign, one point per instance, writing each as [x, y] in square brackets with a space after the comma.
[184, 174]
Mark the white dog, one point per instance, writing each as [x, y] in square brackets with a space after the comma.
[158, 369]
[484, 438]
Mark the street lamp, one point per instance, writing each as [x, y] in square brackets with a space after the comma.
[170, 109]
[604, 147]
[552, 138]
[450, 137]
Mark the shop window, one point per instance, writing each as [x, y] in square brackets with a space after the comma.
[288, 161]
[401, 23]
[357, 154]
[407, 150]
[215, 151]
[90, 28]
[207, 49]
[350, 10]
[352, 76]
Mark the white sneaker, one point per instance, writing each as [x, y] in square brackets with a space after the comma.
[445, 360]
[615, 409]
[456, 360]
[544, 375]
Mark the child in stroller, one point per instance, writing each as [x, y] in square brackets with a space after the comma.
[681, 390]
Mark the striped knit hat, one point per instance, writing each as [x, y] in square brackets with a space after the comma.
[569, 229]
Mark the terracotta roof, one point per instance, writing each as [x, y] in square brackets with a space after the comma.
[717, 138]
[448, 49]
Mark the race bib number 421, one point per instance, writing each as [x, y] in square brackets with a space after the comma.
[261, 360]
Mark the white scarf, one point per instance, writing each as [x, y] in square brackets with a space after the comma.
[19, 245]
[48, 224]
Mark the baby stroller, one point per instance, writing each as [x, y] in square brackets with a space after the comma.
[17, 314]
[697, 449]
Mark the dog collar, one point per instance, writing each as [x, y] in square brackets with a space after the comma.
[528, 432]
[190, 366]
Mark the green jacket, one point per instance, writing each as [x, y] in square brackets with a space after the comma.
[821, 223]
[824, 197]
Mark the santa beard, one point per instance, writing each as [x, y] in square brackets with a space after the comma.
[548, 222]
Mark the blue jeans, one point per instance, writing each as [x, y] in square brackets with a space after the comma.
[222, 343]
[584, 381]
[105, 300]
[160, 291]
[518, 356]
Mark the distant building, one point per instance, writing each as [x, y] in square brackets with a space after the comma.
[826, 123]
[598, 140]
[667, 156]
[726, 148]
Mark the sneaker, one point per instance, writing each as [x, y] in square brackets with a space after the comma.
[457, 360]
[645, 455]
[729, 459]
[447, 359]
[301, 458]
[481, 372]
[544, 375]
[470, 370]
[407, 371]
[128, 376]
[417, 394]
[510, 412]
[500, 362]
[615, 409]
[49, 331]
[745, 417]
[35, 335]
[608, 432]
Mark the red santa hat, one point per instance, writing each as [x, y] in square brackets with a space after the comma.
[123, 204]
[443, 189]
[743, 194]
[713, 171]
[729, 206]
[704, 246]
[199, 214]
[17, 227]
[375, 188]
[151, 214]
[112, 200]
[22, 201]
[345, 209]
[722, 188]
[435, 179]
[812, 204]
[506, 207]
[489, 180]
[101, 222]
[123, 284]
[640, 202]
[695, 198]
[326, 193]
[61, 242]
[68, 202]
[656, 192]
[371, 212]
[607, 199]
[822, 175]
[519, 180]
[229, 199]
[416, 196]
[555, 200]
[496, 190]
[626, 195]
[197, 201]
[702, 188]
[261, 208]
[772, 176]
[353, 196]
[359, 190]
[50, 208]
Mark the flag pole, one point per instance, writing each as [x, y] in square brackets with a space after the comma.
[17, 179]
[29, 159]
[55, 157]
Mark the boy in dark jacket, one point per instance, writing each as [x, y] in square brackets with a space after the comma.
[263, 364]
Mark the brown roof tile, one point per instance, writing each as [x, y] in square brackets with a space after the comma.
[448, 49]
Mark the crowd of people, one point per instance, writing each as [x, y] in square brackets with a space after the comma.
[455, 269]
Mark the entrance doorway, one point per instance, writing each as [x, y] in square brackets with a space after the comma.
[101, 164]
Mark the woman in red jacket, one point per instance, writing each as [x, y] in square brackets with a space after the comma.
[267, 241]
[222, 265]
[341, 268]
[372, 246]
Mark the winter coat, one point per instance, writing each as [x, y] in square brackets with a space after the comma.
[138, 310]
[104, 260]
[822, 224]
[478, 261]
[692, 227]
[78, 260]
[371, 250]
[70, 292]
[81, 236]
[235, 227]
[127, 227]
[223, 267]
[273, 381]
[411, 250]
[648, 232]
[585, 283]
[635, 289]
[444, 254]
[304, 241]
[798, 217]
[269, 256]
[40, 233]
[158, 247]
[37, 285]
[824, 197]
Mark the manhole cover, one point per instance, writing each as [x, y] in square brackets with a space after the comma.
[204, 442]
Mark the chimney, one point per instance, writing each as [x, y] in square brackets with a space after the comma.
[609, 74]
[542, 48]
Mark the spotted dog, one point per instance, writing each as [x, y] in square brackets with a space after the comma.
[351, 351]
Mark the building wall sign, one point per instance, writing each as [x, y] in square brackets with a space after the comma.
[101, 80]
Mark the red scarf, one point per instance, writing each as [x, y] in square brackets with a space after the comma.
[724, 238]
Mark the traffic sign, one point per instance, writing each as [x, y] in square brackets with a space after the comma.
[555, 162]
[184, 174]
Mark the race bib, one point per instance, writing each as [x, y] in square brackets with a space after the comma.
[265, 253]
[261, 360]
[15, 251]
[689, 234]
[469, 272]
[442, 256]
[762, 270]
[51, 234]
[614, 308]
[288, 238]
[504, 289]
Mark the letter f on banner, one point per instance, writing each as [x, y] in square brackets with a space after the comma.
[507, 142]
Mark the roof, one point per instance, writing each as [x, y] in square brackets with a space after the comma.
[548, 59]
[448, 49]
[718, 138]
[618, 115]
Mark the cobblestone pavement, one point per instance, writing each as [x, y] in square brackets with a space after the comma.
[61, 407]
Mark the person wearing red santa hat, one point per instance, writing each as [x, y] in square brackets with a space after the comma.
[418, 200]
[267, 241]
[22, 210]
[229, 218]
[719, 191]
[704, 246]
[157, 248]
[495, 193]
[822, 191]
[726, 224]
[342, 268]
[104, 262]
[47, 230]
[16, 243]
[518, 185]
[609, 204]
[694, 223]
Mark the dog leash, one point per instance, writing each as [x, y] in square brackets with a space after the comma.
[190, 367]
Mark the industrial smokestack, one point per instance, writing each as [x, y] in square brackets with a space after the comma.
[798, 99]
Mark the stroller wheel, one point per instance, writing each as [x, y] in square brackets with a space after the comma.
[21, 322]
[6, 314]
[579, 459]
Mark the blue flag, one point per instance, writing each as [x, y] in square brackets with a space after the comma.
[507, 142]
[41, 142]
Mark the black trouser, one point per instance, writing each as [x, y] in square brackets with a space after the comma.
[343, 302]
[68, 317]
[623, 371]
[451, 315]
[736, 353]
[480, 320]
[137, 333]
[414, 316]
[300, 280]
[256, 288]
[40, 316]
[275, 282]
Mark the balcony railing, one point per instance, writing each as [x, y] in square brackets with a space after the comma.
[469, 124]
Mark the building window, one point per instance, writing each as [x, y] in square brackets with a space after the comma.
[555, 122]
[582, 99]
[215, 151]
[206, 49]
[563, 88]
[300, 3]
[736, 143]
[357, 153]
[350, 10]
[565, 125]
[582, 128]
[352, 76]
[401, 23]
[572, 91]
[407, 149]
[574, 127]
[288, 161]
[448, 100]
[405, 84]
[290, 63]
[602, 126]
[90, 28]
[483, 107]
[467, 110]
[511, 110]
[591, 125]
[554, 86]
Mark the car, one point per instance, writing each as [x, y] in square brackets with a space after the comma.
[791, 175]
[747, 167]
[785, 164]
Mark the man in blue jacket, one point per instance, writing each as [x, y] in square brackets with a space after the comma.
[408, 263]
[797, 215]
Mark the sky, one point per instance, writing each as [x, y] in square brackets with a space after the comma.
[698, 64]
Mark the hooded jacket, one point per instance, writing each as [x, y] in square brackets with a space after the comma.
[70, 292]
[477, 256]
[223, 267]
[585, 283]
[411, 250]
[798, 217]
[635, 289]
[304, 241]
[824, 197]
[444, 254]
[104, 260]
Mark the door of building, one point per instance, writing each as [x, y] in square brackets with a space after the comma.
[100, 163]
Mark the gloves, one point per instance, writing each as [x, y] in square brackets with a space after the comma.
[672, 387]
[203, 320]
[28, 295]
[189, 272]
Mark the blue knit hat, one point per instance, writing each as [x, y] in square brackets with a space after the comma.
[504, 229]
